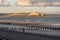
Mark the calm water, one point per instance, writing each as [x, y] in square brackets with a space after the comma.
[34, 19]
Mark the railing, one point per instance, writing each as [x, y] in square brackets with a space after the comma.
[30, 28]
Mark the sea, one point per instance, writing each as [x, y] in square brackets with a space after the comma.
[33, 19]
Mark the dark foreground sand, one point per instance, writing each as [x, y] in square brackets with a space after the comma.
[13, 35]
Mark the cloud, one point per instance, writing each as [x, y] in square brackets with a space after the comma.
[40, 4]
[23, 3]
[4, 3]
[56, 3]
[30, 2]
[37, 2]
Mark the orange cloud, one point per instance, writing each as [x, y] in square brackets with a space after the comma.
[4, 3]
[56, 3]
[0, 1]
[40, 4]
[23, 2]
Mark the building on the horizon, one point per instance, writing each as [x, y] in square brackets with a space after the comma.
[36, 14]
[27, 14]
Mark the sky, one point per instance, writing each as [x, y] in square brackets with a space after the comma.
[18, 6]
[34, 2]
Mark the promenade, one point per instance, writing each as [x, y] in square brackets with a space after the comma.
[14, 35]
